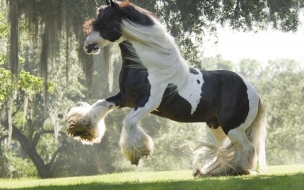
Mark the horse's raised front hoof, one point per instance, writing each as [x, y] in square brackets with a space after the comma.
[75, 127]
[135, 161]
[81, 129]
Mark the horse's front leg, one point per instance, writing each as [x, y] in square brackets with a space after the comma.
[86, 122]
[134, 142]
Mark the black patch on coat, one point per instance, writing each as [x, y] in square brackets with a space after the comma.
[229, 104]
[116, 100]
[133, 79]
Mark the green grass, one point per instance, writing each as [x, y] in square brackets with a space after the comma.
[277, 177]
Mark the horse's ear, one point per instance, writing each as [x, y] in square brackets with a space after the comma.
[108, 2]
[113, 4]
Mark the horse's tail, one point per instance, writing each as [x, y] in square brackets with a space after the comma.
[257, 133]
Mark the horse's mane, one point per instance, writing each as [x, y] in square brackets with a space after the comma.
[130, 12]
[161, 50]
[136, 14]
[88, 26]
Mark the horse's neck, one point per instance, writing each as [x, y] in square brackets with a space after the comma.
[131, 65]
[127, 51]
[158, 52]
[124, 49]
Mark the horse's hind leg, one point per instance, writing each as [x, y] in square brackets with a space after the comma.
[218, 135]
[244, 160]
[222, 152]
[234, 154]
[208, 168]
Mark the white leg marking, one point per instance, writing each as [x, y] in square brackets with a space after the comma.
[245, 151]
[219, 135]
[254, 99]
[134, 142]
[86, 123]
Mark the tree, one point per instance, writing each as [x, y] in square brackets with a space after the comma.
[280, 86]
[282, 91]
[28, 84]
[189, 21]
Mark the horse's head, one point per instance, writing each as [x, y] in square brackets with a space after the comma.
[107, 27]
[104, 29]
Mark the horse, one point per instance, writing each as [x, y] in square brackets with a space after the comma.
[156, 79]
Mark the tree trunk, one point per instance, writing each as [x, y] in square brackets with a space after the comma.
[44, 170]
[13, 48]
[44, 69]
[29, 147]
[13, 58]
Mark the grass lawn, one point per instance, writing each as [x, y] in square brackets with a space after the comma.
[277, 177]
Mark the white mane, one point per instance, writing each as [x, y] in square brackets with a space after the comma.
[157, 51]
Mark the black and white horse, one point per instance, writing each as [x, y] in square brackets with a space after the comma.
[156, 79]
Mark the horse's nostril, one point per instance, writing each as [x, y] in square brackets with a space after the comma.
[89, 48]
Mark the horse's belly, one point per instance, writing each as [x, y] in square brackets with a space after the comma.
[180, 116]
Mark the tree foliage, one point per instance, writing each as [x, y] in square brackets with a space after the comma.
[190, 21]
[283, 96]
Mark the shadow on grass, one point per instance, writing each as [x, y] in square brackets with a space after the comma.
[260, 182]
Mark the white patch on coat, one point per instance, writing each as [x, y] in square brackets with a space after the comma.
[254, 99]
[192, 91]
[246, 153]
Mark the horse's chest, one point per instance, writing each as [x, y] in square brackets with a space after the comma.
[134, 85]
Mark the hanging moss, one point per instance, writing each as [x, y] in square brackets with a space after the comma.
[13, 38]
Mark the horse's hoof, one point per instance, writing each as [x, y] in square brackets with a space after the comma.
[135, 161]
[74, 126]
[197, 173]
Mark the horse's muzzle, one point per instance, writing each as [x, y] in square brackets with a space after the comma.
[91, 48]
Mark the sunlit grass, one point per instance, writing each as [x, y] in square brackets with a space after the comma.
[277, 177]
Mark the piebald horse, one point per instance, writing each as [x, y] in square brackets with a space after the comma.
[156, 79]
